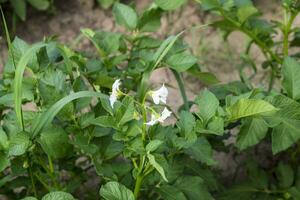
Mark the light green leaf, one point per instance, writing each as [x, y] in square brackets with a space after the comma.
[3, 140]
[208, 105]
[169, 4]
[291, 77]
[4, 161]
[29, 198]
[169, 192]
[104, 121]
[18, 144]
[181, 61]
[19, 79]
[58, 196]
[252, 132]
[249, 107]
[153, 145]
[245, 12]
[125, 16]
[157, 166]
[116, 191]
[216, 126]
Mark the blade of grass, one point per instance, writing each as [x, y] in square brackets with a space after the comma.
[8, 40]
[164, 49]
[17, 88]
[47, 117]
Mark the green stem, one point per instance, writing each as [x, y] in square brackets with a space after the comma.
[257, 41]
[288, 22]
[182, 89]
[137, 186]
[52, 174]
[30, 174]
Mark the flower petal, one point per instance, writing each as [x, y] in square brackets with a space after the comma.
[160, 95]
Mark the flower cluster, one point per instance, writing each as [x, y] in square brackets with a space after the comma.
[158, 96]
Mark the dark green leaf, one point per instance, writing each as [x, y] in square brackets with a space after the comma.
[55, 142]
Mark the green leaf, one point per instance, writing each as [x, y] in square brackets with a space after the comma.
[157, 166]
[186, 125]
[169, 4]
[125, 16]
[249, 107]
[252, 132]
[46, 118]
[216, 126]
[104, 121]
[19, 79]
[115, 191]
[169, 192]
[55, 142]
[4, 161]
[284, 175]
[207, 78]
[3, 140]
[58, 196]
[285, 135]
[201, 151]
[19, 8]
[153, 145]
[164, 49]
[286, 123]
[181, 61]
[106, 3]
[193, 187]
[245, 12]
[291, 77]
[40, 4]
[125, 112]
[29, 198]
[19, 144]
[150, 20]
[209, 4]
[208, 105]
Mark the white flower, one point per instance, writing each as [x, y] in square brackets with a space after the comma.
[159, 118]
[160, 95]
[114, 94]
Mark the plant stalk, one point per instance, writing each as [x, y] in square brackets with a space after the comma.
[182, 89]
[137, 186]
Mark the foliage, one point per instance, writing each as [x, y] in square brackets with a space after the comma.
[97, 112]
[19, 6]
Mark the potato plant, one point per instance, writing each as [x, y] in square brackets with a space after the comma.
[89, 125]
